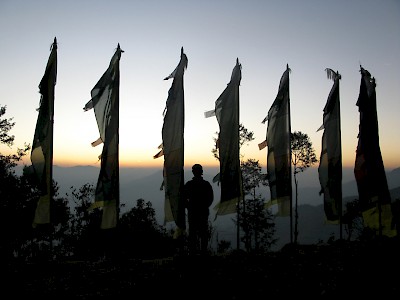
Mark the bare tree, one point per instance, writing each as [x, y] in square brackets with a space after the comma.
[303, 157]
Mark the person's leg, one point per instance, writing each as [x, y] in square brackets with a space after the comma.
[204, 237]
[193, 238]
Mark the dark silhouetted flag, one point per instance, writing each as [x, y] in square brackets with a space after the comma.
[227, 113]
[369, 171]
[172, 148]
[42, 145]
[279, 168]
[330, 163]
[105, 102]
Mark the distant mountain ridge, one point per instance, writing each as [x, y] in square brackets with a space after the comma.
[145, 183]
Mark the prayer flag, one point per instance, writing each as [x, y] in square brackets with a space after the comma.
[330, 166]
[227, 113]
[279, 168]
[173, 147]
[105, 102]
[369, 171]
[42, 145]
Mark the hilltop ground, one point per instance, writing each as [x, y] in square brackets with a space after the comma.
[340, 269]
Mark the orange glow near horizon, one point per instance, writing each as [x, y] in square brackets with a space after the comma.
[68, 161]
[390, 159]
[158, 163]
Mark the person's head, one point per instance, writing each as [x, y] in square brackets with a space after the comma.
[197, 170]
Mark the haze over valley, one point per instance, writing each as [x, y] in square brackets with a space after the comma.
[145, 183]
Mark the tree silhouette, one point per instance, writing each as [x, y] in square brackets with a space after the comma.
[85, 223]
[141, 235]
[256, 221]
[16, 222]
[5, 126]
[303, 157]
[68, 234]
[245, 136]
[18, 200]
[352, 218]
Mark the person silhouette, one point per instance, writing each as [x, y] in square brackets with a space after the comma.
[199, 196]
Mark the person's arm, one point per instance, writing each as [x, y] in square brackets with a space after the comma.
[210, 194]
[186, 194]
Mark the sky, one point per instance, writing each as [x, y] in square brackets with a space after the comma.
[308, 35]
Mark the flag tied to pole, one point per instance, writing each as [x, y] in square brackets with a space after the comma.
[42, 145]
[172, 148]
[227, 113]
[279, 148]
[369, 171]
[105, 102]
[330, 163]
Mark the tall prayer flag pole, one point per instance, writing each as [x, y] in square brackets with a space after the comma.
[105, 102]
[42, 145]
[278, 141]
[227, 113]
[369, 171]
[330, 166]
[172, 148]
